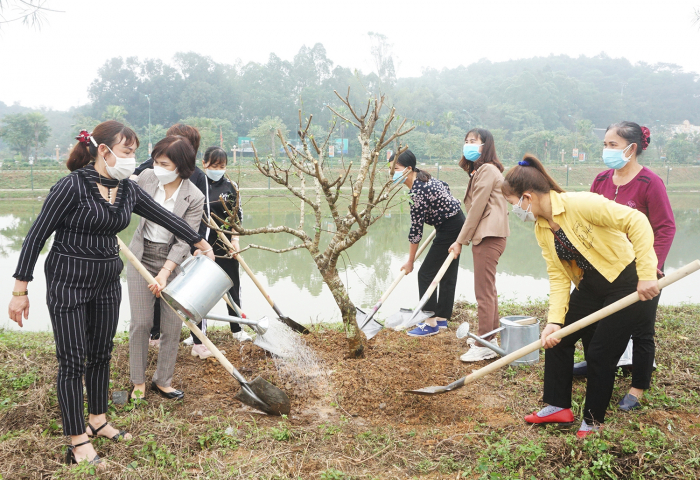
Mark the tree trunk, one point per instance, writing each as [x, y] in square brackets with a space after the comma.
[356, 342]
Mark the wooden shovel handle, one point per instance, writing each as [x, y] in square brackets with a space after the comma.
[245, 266]
[576, 326]
[403, 273]
[436, 280]
[191, 325]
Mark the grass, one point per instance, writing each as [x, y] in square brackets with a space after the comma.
[198, 440]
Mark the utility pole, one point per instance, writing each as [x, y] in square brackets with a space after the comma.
[567, 175]
[150, 145]
[58, 153]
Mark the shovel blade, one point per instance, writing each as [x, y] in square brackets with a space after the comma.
[404, 319]
[429, 391]
[371, 328]
[297, 327]
[264, 396]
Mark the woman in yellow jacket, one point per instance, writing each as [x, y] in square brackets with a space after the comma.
[607, 251]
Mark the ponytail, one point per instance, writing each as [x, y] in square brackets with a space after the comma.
[422, 175]
[408, 159]
[529, 175]
[109, 133]
[79, 156]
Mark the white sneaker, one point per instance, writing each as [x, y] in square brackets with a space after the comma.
[201, 351]
[242, 336]
[188, 341]
[477, 354]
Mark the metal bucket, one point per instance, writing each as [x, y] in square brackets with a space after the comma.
[515, 336]
[199, 287]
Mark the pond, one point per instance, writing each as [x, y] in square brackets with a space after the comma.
[369, 268]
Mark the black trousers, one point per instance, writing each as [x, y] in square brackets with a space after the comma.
[231, 268]
[83, 296]
[443, 298]
[643, 346]
[606, 341]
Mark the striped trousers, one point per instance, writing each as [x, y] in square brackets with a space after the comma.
[142, 302]
[83, 297]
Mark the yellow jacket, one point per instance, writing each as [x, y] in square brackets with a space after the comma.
[609, 235]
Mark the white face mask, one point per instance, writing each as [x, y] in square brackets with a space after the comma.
[164, 175]
[123, 167]
[524, 215]
[215, 175]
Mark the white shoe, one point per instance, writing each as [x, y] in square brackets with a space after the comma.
[201, 351]
[242, 336]
[477, 354]
[188, 341]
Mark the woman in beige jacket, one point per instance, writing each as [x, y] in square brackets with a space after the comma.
[486, 228]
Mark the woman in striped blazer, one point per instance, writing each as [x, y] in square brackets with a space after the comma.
[87, 209]
[161, 253]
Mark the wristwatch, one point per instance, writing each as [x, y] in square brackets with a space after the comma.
[20, 294]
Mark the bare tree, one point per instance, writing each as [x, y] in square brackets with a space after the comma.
[368, 198]
[30, 12]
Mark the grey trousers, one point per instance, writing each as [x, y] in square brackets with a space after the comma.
[141, 301]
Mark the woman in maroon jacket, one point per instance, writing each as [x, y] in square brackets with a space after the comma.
[629, 183]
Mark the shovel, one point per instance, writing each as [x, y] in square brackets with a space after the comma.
[368, 325]
[574, 327]
[407, 318]
[259, 394]
[291, 323]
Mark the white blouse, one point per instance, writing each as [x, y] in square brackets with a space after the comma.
[152, 231]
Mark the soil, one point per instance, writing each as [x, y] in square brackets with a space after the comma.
[371, 390]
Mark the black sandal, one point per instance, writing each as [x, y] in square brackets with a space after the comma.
[70, 455]
[116, 437]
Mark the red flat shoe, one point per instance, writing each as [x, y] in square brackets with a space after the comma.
[564, 418]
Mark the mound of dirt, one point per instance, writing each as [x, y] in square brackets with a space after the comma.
[371, 389]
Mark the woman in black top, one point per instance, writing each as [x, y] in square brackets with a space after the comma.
[219, 187]
[87, 209]
[431, 203]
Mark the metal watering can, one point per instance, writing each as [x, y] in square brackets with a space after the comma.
[516, 331]
[199, 287]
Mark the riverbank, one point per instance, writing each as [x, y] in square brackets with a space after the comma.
[18, 184]
[355, 421]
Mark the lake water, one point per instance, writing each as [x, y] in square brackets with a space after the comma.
[369, 268]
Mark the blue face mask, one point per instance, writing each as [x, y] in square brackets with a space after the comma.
[397, 176]
[471, 151]
[616, 158]
[215, 175]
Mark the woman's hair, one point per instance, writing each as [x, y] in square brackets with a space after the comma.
[215, 156]
[529, 174]
[179, 150]
[408, 159]
[110, 133]
[488, 152]
[633, 133]
[190, 133]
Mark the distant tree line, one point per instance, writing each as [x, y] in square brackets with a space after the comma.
[543, 105]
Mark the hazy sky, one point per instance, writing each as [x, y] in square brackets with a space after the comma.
[53, 67]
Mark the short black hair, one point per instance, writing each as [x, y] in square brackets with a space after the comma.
[215, 156]
[180, 151]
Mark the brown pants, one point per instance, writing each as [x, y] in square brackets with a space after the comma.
[486, 255]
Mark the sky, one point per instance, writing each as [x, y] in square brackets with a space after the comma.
[52, 67]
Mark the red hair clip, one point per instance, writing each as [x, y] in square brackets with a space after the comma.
[83, 137]
[646, 138]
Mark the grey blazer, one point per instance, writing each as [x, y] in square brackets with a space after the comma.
[189, 206]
